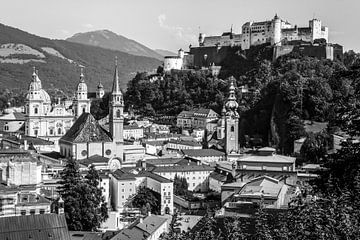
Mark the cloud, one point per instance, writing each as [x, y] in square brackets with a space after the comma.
[186, 35]
[88, 25]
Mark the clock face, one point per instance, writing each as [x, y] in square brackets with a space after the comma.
[114, 164]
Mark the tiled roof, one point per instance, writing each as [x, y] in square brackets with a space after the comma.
[141, 231]
[184, 168]
[218, 176]
[135, 126]
[151, 223]
[30, 140]
[17, 157]
[185, 142]
[86, 129]
[94, 159]
[202, 152]
[163, 161]
[154, 176]
[122, 175]
[13, 116]
[39, 227]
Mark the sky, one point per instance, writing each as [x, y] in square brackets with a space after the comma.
[170, 25]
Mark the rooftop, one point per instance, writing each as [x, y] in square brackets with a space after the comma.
[262, 186]
[154, 176]
[86, 129]
[95, 159]
[13, 116]
[202, 153]
[184, 168]
[39, 227]
[141, 230]
[123, 175]
[274, 158]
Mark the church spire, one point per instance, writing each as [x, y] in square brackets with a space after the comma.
[116, 85]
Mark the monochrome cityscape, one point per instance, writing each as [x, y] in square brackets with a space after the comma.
[220, 126]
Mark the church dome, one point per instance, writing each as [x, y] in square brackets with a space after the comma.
[35, 90]
[82, 87]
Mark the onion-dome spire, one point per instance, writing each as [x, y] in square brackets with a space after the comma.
[231, 104]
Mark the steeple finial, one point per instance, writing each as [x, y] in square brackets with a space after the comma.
[82, 74]
[116, 85]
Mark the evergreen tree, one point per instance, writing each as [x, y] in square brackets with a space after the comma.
[84, 204]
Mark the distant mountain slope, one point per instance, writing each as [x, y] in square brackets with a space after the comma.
[111, 40]
[164, 53]
[58, 62]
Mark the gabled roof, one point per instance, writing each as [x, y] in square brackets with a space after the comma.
[141, 231]
[86, 129]
[39, 227]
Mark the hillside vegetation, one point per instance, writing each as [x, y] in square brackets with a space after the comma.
[62, 72]
[281, 95]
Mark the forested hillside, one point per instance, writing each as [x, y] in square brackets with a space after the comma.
[281, 94]
[58, 62]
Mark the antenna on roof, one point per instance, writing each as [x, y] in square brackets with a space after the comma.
[231, 28]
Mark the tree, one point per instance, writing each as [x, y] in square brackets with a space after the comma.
[84, 204]
[147, 201]
[180, 186]
[174, 225]
[69, 186]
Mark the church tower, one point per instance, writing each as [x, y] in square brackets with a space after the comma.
[116, 115]
[100, 92]
[81, 103]
[231, 122]
[38, 104]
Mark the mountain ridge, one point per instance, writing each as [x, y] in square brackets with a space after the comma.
[58, 62]
[107, 39]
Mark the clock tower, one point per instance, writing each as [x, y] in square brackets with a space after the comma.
[116, 111]
[231, 122]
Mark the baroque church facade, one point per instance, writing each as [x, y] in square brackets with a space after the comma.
[50, 121]
[87, 137]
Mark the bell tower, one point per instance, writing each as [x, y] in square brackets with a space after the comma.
[231, 121]
[81, 103]
[116, 111]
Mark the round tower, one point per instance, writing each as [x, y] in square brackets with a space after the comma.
[276, 39]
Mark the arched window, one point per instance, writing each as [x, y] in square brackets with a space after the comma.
[118, 113]
[83, 109]
[51, 131]
[232, 129]
[59, 131]
[36, 110]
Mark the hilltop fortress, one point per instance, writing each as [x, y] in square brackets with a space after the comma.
[280, 35]
[274, 32]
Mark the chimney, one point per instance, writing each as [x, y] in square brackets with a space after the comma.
[149, 213]
[141, 220]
